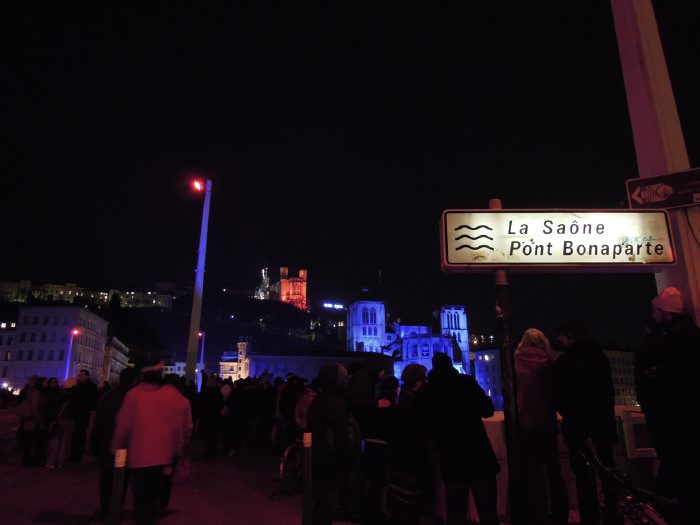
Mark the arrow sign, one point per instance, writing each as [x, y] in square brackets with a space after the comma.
[674, 190]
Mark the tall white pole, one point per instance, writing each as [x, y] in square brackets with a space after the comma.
[196, 315]
[658, 137]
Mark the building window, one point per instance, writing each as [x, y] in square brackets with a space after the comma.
[414, 351]
[0, 340]
[43, 337]
[425, 350]
[30, 355]
[61, 355]
[35, 319]
[22, 337]
[20, 355]
[8, 356]
[51, 355]
[63, 338]
[46, 319]
[40, 355]
[375, 330]
[25, 320]
[364, 330]
[9, 339]
[373, 316]
[365, 316]
[52, 337]
[32, 337]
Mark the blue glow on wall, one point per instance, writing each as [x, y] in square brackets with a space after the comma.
[487, 369]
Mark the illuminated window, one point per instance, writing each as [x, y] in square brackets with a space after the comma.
[373, 316]
[414, 351]
[365, 315]
[375, 330]
[364, 330]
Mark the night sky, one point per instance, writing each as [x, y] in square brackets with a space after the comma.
[335, 134]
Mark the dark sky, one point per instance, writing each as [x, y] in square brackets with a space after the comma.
[335, 134]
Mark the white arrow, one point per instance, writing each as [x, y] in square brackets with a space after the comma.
[636, 197]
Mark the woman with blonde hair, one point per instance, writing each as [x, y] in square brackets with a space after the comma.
[537, 418]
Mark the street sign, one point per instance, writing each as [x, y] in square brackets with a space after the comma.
[674, 190]
[574, 240]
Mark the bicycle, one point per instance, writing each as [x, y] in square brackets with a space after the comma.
[637, 506]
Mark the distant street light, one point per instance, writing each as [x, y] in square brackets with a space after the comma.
[192, 342]
[69, 359]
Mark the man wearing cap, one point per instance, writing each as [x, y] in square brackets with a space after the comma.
[674, 376]
[153, 424]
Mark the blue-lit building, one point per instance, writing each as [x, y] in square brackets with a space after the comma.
[367, 331]
[487, 371]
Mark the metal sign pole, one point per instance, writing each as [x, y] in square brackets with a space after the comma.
[510, 409]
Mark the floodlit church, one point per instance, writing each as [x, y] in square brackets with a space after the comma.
[367, 331]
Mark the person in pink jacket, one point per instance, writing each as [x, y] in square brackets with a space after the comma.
[537, 419]
[154, 424]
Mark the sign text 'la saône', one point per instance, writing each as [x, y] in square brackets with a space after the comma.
[577, 240]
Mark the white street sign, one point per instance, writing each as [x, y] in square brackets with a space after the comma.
[574, 239]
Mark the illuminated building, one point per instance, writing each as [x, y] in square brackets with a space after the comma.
[237, 364]
[116, 359]
[367, 331]
[55, 341]
[366, 326]
[262, 292]
[177, 367]
[487, 372]
[293, 289]
[7, 336]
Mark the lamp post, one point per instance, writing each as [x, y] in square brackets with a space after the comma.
[69, 357]
[191, 363]
[202, 336]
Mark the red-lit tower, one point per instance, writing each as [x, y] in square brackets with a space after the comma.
[293, 289]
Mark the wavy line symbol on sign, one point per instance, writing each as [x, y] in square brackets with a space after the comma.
[477, 237]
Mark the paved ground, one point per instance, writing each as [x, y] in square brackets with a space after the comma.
[220, 491]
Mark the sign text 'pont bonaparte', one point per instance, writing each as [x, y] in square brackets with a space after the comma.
[473, 239]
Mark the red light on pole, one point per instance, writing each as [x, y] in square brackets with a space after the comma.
[198, 185]
[76, 331]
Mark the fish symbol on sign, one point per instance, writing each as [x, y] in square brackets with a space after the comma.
[474, 237]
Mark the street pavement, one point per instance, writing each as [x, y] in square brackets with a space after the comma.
[223, 490]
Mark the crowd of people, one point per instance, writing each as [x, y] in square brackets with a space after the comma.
[390, 450]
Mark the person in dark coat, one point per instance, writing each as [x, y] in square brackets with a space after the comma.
[585, 398]
[85, 401]
[336, 440]
[537, 419]
[672, 398]
[455, 405]
[103, 432]
[409, 463]
[211, 404]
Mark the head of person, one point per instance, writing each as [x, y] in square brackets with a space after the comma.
[83, 375]
[571, 332]
[534, 338]
[442, 362]
[414, 376]
[389, 386]
[667, 305]
[333, 378]
[152, 365]
[127, 377]
[53, 382]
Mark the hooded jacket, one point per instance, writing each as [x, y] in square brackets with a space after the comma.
[534, 369]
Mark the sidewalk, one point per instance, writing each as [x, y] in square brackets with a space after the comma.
[220, 491]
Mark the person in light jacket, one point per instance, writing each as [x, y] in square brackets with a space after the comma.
[537, 418]
[154, 424]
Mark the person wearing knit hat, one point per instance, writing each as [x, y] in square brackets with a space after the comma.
[667, 376]
[670, 300]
